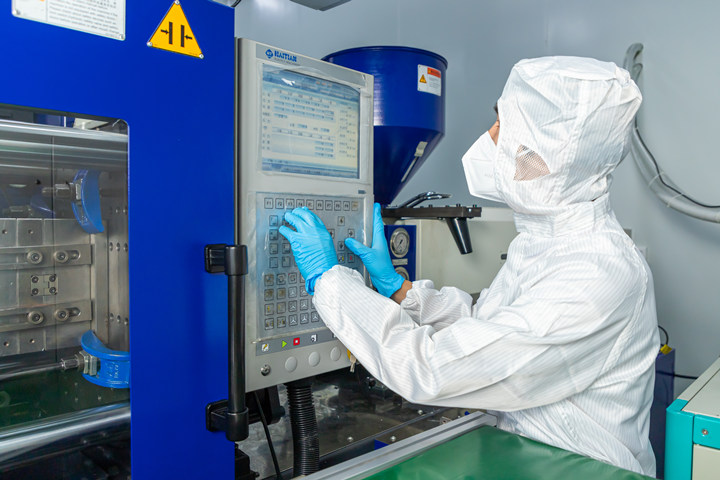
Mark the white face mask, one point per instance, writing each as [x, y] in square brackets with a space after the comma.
[479, 165]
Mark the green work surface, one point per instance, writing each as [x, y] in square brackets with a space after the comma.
[489, 453]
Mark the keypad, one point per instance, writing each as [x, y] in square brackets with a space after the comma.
[285, 306]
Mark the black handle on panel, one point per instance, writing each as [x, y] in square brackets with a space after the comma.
[231, 416]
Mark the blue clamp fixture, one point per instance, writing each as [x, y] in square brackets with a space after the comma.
[114, 368]
[87, 208]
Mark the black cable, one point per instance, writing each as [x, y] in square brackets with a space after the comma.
[689, 377]
[278, 474]
[660, 175]
[667, 337]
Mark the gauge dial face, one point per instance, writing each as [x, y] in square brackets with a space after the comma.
[400, 242]
[403, 273]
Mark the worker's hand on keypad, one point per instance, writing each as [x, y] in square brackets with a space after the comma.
[377, 258]
[311, 243]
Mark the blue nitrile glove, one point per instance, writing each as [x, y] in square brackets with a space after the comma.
[311, 244]
[377, 258]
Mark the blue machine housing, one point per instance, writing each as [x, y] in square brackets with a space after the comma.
[180, 115]
[404, 115]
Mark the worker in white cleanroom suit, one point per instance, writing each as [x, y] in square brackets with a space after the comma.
[561, 346]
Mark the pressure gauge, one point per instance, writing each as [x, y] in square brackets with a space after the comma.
[400, 242]
[403, 272]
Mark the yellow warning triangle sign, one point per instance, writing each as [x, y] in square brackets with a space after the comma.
[174, 34]
[422, 79]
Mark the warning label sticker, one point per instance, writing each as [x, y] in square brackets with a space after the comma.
[429, 80]
[100, 17]
[174, 33]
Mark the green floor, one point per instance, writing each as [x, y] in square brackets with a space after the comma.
[489, 453]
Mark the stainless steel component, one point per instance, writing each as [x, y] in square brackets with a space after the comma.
[12, 374]
[29, 148]
[62, 190]
[35, 317]
[423, 197]
[374, 462]
[34, 257]
[22, 440]
[265, 370]
[57, 281]
[76, 361]
[89, 363]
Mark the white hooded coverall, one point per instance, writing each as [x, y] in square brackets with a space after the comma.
[561, 346]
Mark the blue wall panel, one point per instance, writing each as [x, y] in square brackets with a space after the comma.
[180, 115]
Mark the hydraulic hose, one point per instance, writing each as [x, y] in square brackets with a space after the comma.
[658, 182]
[306, 444]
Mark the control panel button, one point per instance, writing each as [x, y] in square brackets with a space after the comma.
[314, 359]
[281, 322]
[291, 364]
[304, 318]
[335, 354]
[268, 203]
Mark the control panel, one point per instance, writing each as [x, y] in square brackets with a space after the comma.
[305, 140]
[288, 316]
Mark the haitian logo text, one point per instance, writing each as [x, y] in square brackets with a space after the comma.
[280, 55]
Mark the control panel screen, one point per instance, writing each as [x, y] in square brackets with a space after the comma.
[309, 125]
